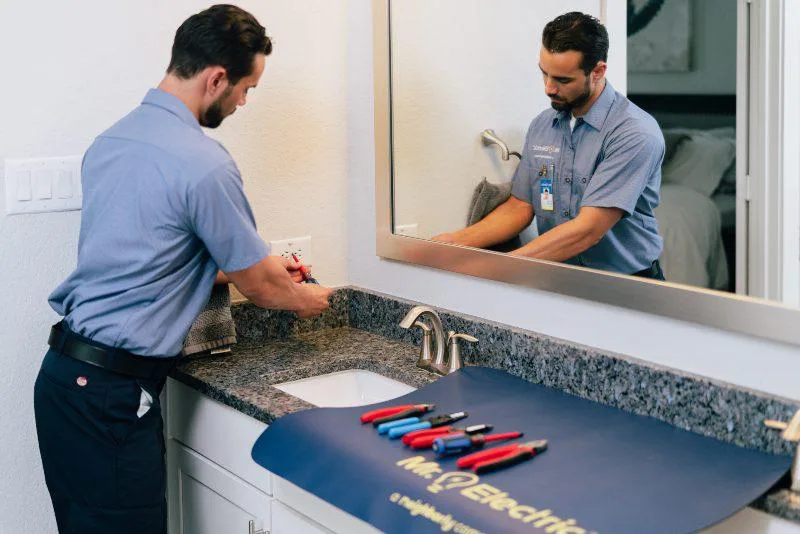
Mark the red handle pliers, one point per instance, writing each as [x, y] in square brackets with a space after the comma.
[423, 439]
[500, 457]
[393, 413]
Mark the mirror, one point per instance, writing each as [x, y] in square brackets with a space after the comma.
[466, 84]
[457, 84]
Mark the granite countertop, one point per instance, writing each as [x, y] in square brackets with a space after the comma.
[275, 347]
[243, 379]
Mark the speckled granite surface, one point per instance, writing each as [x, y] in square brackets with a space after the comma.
[243, 378]
[360, 331]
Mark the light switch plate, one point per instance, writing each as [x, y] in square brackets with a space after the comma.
[40, 185]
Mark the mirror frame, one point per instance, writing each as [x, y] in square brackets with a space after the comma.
[736, 313]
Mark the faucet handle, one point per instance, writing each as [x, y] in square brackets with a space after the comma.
[791, 430]
[465, 337]
[454, 350]
[425, 328]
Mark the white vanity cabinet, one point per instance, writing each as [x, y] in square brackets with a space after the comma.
[214, 486]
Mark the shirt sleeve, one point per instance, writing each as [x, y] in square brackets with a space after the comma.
[522, 181]
[221, 217]
[631, 159]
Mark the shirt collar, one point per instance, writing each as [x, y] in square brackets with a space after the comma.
[173, 104]
[597, 114]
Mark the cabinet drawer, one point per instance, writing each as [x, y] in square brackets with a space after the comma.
[218, 432]
[288, 521]
[207, 499]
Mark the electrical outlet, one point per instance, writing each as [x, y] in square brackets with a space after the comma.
[411, 230]
[299, 246]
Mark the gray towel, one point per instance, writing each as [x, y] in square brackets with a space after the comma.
[485, 199]
[214, 329]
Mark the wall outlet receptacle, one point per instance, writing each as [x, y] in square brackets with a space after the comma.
[411, 230]
[299, 246]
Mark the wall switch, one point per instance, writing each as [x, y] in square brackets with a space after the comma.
[300, 246]
[22, 179]
[411, 230]
[64, 184]
[38, 185]
[43, 179]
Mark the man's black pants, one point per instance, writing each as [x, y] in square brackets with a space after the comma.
[103, 464]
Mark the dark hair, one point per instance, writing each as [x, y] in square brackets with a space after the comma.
[222, 35]
[578, 32]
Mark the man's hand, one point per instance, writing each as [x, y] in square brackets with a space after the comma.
[449, 237]
[270, 283]
[317, 300]
[293, 268]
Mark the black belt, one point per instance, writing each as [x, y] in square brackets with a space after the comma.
[115, 360]
[654, 271]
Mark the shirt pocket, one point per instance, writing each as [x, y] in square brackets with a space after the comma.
[580, 182]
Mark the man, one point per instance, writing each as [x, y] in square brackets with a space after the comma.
[163, 213]
[591, 166]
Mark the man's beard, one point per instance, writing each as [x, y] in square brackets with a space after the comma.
[214, 115]
[578, 102]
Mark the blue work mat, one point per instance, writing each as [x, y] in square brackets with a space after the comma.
[606, 471]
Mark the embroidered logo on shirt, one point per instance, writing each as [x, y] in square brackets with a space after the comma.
[551, 149]
[82, 381]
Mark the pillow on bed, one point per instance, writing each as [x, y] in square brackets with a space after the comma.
[699, 162]
[672, 140]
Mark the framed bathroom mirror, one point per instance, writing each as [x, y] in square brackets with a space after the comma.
[457, 83]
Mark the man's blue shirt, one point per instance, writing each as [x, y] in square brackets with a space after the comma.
[163, 211]
[612, 159]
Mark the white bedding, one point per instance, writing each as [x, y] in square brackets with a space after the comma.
[690, 224]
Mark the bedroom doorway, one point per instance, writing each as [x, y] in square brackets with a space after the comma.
[716, 76]
[682, 69]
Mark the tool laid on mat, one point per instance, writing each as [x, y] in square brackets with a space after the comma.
[500, 457]
[392, 413]
[457, 443]
[432, 422]
[424, 438]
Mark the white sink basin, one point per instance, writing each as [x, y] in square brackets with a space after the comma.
[354, 387]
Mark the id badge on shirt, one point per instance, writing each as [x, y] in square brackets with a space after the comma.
[546, 193]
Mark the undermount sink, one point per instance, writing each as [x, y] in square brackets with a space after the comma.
[354, 387]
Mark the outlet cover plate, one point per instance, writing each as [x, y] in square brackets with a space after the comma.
[411, 230]
[301, 246]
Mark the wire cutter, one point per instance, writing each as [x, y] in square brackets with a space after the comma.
[457, 443]
[392, 413]
[500, 457]
[423, 439]
[398, 431]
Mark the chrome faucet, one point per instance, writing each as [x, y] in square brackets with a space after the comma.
[791, 433]
[437, 365]
[438, 333]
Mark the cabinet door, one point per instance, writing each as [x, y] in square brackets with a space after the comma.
[288, 521]
[206, 499]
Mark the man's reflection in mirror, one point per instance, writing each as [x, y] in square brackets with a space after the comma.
[590, 169]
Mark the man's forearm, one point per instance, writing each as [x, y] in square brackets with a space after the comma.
[574, 237]
[268, 285]
[505, 222]
[561, 243]
[221, 278]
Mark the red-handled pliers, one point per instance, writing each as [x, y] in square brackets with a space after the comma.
[393, 413]
[423, 439]
[500, 457]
